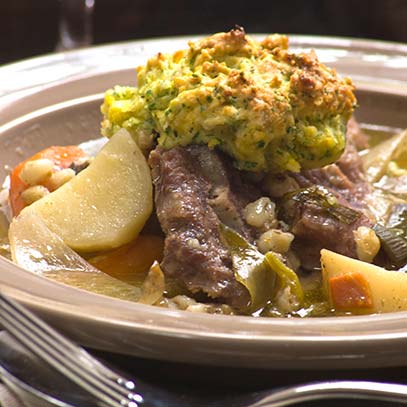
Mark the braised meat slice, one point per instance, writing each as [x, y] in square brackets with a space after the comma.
[355, 135]
[195, 190]
[326, 194]
[320, 220]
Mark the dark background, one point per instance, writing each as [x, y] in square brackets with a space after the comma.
[30, 27]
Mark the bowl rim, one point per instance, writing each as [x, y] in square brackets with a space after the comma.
[332, 41]
[346, 328]
[134, 47]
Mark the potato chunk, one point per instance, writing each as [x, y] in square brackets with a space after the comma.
[107, 204]
[388, 289]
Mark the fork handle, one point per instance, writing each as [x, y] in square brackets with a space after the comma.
[395, 393]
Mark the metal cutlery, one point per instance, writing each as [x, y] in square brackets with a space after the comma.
[110, 389]
[27, 394]
[65, 357]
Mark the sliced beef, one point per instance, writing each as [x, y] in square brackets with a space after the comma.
[228, 194]
[320, 220]
[356, 136]
[195, 190]
[313, 225]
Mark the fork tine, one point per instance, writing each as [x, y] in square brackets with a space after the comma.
[52, 357]
[47, 333]
[63, 356]
[51, 333]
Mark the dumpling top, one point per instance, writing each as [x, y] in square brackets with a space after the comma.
[268, 108]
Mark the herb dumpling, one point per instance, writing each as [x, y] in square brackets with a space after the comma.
[268, 108]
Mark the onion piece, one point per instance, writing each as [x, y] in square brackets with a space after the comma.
[35, 248]
[153, 286]
[377, 159]
[250, 268]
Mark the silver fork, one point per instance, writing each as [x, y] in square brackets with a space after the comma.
[68, 359]
[112, 390]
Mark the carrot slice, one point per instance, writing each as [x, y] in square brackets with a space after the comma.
[61, 156]
[131, 262]
[350, 291]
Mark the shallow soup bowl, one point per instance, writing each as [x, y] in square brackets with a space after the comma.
[55, 100]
